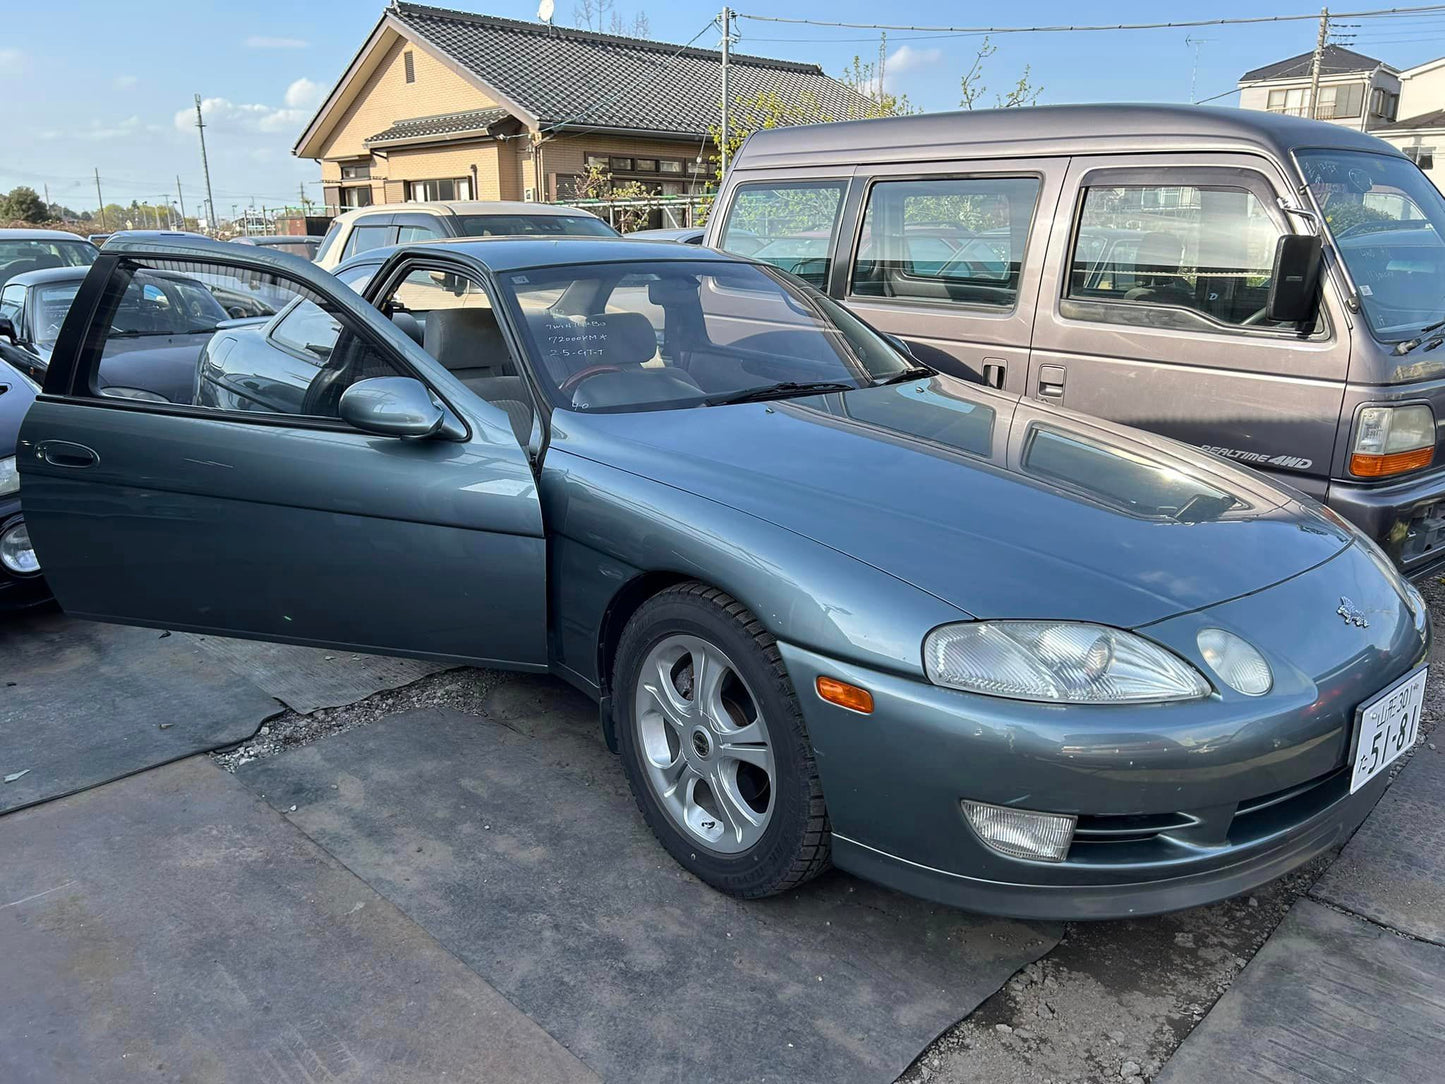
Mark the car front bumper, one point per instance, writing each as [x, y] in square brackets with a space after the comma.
[18, 592]
[1178, 804]
[1406, 518]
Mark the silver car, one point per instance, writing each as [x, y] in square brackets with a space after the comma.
[835, 608]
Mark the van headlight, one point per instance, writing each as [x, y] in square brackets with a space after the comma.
[9, 477]
[1392, 440]
[1065, 662]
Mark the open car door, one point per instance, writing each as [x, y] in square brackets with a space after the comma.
[308, 475]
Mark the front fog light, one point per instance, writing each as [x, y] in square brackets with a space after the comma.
[16, 553]
[1238, 664]
[1019, 833]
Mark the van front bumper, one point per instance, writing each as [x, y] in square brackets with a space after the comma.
[1406, 518]
[1177, 804]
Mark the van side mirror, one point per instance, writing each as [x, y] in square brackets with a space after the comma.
[1294, 285]
[395, 406]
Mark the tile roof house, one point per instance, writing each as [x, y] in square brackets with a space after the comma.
[1356, 90]
[1420, 129]
[442, 104]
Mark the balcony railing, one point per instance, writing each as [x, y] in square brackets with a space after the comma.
[1326, 111]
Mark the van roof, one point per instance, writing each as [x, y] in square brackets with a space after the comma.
[469, 207]
[1046, 130]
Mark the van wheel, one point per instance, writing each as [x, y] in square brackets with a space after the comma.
[714, 745]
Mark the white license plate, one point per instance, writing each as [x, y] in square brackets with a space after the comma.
[1387, 726]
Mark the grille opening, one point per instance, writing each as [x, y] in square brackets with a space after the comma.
[1129, 827]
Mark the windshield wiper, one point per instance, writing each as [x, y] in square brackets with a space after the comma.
[784, 390]
[1409, 344]
[903, 376]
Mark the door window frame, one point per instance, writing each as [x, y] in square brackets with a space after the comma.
[74, 379]
[846, 185]
[1117, 312]
[845, 268]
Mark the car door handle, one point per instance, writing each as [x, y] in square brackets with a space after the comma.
[65, 453]
[1051, 382]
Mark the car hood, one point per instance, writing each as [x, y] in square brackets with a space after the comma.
[16, 395]
[999, 506]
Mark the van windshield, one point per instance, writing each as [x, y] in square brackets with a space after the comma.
[1388, 224]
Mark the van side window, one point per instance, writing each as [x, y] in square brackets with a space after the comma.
[951, 240]
[788, 225]
[1183, 250]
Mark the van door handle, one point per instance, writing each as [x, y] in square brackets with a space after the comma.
[1051, 381]
[993, 372]
[65, 453]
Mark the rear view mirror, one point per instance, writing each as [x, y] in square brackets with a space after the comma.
[392, 406]
[1295, 281]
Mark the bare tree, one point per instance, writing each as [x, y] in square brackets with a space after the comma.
[972, 88]
[602, 15]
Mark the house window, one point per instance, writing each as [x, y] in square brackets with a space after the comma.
[1424, 157]
[646, 165]
[360, 196]
[447, 188]
[409, 63]
[669, 166]
[597, 161]
[1383, 104]
[1339, 102]
[356, 171]
[622, 163]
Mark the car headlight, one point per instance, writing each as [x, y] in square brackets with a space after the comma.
[1236, 662]
[9, 476]
[16, 552]
[118, 392]
[1392, 440]
[1057, 661]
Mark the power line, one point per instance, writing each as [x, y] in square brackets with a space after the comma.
[1181, 25]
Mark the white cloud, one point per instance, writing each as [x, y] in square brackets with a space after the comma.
[126, 82]
[256, 41]
[224, 114]
[906, 59]
[13, 62]
[303, 94]
[98, 131]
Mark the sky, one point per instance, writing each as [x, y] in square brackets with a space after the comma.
[107, 85]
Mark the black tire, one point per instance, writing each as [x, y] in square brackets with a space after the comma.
[795, 845]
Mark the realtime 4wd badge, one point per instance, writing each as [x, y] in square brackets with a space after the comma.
[1261, 459]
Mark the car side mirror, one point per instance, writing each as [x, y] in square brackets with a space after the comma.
[395, 406]
[7, 329]
[1294, 285]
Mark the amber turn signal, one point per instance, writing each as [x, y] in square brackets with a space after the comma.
[844, 695]
[1363, 465]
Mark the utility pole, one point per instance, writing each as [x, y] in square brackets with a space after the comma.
[99, 198]
[1318, 60]
[727, 29]
[182, 200]
[205, 166]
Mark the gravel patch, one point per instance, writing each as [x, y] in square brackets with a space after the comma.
[462, 690]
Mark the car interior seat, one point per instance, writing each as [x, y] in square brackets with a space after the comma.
[470, 345]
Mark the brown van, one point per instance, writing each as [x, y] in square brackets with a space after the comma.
[1268, 288]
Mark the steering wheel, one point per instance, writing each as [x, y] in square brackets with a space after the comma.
[1254, 317]
[570, 384]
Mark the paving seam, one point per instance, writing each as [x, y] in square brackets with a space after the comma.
[1342, 910]
[403, 911]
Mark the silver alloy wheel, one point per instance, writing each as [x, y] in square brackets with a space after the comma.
[704, 744]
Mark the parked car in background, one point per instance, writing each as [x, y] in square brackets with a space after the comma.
[400, 223]
[1267, 288]
[97, 239]
[33, 250]
[692, 235]
[21, 584]
[297, 245]
[32, 309]
[834, 606]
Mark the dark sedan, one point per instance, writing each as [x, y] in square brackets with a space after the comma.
[21, 584]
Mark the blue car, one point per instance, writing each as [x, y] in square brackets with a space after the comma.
[834, 607]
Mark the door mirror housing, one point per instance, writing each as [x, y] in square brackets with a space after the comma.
[397, 406]
[1294, 286]
[7, 329]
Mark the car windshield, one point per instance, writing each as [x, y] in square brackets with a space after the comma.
[655, 335]
[1388, 222]
[51, 305]
[18, 257]
[155, 305]
[533, 225]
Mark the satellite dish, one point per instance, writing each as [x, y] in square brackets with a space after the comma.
[545, 10]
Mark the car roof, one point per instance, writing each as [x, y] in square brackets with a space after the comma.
[467, 207]
[519, 252]
[1046, 129]
[49, 274]
[280, 239]
[40, 235]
